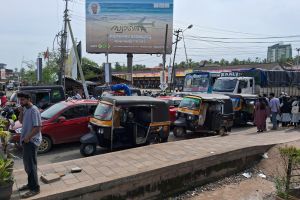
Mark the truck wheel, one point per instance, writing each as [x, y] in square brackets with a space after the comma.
[45, 145]
[88, 149]
[179, 131]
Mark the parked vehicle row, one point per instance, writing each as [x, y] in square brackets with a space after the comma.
[128, 121]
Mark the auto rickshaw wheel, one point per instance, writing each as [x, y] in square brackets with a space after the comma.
[222, 131]
[179, 131]
[88, 149]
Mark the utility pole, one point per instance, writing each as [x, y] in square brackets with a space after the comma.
[176, 33]
[63, 47]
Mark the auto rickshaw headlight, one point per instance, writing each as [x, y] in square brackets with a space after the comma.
[101, 131]
[191, 117]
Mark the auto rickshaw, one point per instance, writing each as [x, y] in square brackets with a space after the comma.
[243, 107]
[204, 113]
[125, 122]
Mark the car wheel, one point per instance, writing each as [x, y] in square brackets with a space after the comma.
[45, 145]
[88, 149]
[222, 131]
[179, 131]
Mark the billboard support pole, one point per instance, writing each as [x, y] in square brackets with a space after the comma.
[78, 62]
[129, 66]
[164, 57]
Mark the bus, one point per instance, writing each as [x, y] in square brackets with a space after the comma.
[200, 81]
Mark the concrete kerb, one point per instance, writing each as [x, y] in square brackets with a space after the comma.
[146, 181]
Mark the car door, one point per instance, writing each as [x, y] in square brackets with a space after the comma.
[74, 126]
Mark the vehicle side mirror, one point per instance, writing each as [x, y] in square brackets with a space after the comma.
[61, 119]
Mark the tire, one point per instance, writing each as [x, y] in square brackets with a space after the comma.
[222, 131]
[179, 131]
[45, 146]
[88, 149]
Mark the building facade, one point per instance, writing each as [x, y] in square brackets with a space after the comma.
[279, 52]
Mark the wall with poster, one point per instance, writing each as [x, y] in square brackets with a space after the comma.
[128, 26]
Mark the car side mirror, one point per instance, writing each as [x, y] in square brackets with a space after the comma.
[61, 119]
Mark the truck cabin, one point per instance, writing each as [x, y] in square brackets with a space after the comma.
[234, 85]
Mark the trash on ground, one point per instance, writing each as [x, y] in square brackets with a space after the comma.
[76, 170]
[262, 175]
[265, 156]
[247, 174]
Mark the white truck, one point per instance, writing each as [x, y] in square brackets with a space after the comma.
[258, 82]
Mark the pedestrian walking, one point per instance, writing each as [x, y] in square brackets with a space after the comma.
[260, 115]
[275, 110]
[296, 112]
[286, 109]
[30, 139]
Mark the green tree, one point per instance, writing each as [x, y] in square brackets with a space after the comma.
[235, 61]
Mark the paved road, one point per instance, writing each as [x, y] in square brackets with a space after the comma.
[66, 152]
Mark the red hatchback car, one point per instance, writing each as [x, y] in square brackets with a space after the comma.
[63, 122]
[173, 103]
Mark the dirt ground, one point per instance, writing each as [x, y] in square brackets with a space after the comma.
[254, 188]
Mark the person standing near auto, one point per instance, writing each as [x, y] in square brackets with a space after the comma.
[30, 139]
[275, 110]
[260, 115]
[3, 99]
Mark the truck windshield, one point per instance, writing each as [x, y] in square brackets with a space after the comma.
[196, 83]
[103, 112]
[225, 85]
[190, 103]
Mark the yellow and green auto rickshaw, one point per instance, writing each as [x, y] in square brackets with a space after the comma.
[204, 113]
[125, 122]
[243, 107]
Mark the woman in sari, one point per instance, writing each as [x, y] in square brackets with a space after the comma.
[260, 115]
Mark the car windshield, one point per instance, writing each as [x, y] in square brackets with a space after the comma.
[190, 103]
[53, 110]
[225, 85]
[103, 112]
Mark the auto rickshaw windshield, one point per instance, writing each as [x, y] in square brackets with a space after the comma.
[190, 103]
[103, 112]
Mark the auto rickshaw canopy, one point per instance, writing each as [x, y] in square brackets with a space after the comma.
[160, 109]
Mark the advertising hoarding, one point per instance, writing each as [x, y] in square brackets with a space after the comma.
[128, 26]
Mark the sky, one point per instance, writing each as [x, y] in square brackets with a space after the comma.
[29, 27]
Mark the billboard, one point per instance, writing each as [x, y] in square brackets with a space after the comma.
[128, 26]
